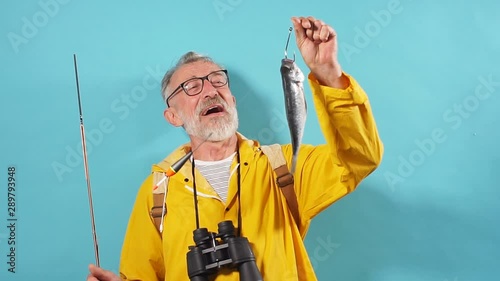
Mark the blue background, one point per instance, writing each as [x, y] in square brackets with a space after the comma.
[430, 212]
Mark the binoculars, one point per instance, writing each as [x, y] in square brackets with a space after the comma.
[213, 251]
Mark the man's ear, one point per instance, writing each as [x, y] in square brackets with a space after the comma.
[171, 116]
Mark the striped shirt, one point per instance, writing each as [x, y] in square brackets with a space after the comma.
[217, 174]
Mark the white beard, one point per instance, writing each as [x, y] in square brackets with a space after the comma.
[218, 129]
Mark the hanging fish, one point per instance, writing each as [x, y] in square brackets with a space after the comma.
[295, 102]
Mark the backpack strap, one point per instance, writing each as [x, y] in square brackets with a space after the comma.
[284, 178]
[159, 195]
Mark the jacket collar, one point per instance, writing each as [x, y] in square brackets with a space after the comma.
[247, 150]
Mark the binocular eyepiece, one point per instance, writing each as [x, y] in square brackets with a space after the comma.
[213, 251]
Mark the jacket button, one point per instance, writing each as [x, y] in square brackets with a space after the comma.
[186, 179]
[246, 163]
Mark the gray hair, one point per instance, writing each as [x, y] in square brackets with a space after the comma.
[187, 58]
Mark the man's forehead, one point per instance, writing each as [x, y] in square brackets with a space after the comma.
[194, 69]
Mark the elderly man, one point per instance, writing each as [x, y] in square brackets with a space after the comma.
[229, 178]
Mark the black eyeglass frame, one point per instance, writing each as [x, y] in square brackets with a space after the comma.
[203, 78]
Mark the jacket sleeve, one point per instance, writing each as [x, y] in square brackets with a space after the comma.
[142, 255]
[352, 151]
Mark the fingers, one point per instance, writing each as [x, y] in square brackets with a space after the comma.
[91, 278]
[299, 30]
[99, 274]
[313, 29]
[326, 32]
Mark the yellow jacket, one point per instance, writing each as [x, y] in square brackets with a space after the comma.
[324, 174]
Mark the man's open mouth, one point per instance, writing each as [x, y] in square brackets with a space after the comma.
[216, 108]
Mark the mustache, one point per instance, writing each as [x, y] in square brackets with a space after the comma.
[211, 101]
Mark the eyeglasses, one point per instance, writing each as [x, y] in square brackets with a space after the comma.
[194, 86]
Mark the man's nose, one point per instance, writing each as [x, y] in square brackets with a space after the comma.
[209, 91]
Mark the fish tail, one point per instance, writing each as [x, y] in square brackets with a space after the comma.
[294, 163]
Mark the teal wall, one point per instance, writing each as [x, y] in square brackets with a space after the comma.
[430, 68]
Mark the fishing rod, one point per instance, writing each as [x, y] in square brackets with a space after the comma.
[85, 164]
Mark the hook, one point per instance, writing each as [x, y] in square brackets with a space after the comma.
[288, 40]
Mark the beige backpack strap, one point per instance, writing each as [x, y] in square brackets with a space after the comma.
[284, 178]
[160, 183]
